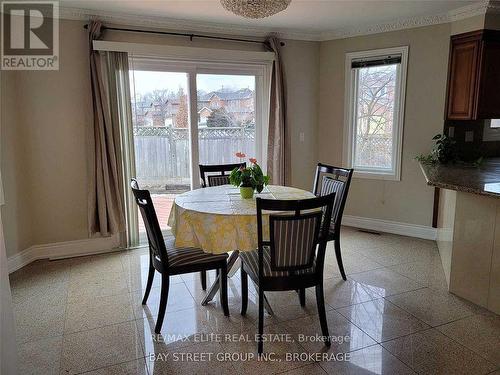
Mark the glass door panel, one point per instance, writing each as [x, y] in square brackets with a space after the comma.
[160, 119]
[226, 117]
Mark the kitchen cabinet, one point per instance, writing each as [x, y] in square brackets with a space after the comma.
[474, 76]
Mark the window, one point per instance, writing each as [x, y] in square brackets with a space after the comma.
[226, 117]
[375, 88]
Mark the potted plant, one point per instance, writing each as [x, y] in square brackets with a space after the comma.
[248, 179]
[444, 151]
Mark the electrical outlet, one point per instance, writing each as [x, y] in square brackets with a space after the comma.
[302, 137]
[469, 136]
[451, 131]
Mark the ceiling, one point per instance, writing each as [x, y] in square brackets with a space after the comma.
[314, 18]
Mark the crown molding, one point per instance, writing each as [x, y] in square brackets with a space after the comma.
[157, 22]
[468, 11]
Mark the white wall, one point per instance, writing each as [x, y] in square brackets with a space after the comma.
[301, 64]
[15, 212]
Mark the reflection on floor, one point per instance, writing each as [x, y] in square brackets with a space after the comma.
[392, 316]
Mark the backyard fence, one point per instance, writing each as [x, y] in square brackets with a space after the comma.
[162, 153]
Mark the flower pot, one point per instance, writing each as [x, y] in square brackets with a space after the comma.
[246, 192]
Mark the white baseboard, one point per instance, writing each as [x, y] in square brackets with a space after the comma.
[91, 246]
[387, 226]
[61, 250]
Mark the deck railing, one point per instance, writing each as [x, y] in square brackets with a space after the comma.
[162, 153]
[374, 150]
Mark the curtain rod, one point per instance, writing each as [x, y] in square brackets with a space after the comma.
[191, 36]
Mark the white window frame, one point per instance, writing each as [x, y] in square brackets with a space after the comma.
[260, 69]
[262, 73]
[399, 110]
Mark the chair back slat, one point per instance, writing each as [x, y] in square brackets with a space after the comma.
[330, 185]
[296, 229]
[155, 237]
[218, 180]
[330, 179]
[293, 240]
[217, 174]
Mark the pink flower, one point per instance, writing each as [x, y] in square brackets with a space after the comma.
[253, 160]
[240, 155]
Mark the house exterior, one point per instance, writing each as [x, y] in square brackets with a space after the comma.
[238, 107]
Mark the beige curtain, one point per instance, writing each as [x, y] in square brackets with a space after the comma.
[277, 149]
[121, 117]
[106, 209]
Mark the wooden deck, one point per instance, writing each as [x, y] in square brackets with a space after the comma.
[163, 205]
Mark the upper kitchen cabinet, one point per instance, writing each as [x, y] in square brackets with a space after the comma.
[474, 76]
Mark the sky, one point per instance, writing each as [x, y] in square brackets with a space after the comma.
[147, 81]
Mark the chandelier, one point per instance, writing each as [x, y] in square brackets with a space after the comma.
[255, 8]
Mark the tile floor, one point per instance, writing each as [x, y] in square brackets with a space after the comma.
[392, 316]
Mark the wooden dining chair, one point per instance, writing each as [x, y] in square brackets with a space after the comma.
[293, 256]
[330, 179]
[215, 175]
[169, 260]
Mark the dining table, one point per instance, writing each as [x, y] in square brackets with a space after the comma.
[218, 220]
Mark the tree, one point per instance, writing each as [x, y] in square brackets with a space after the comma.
[182, 116]
[374, 113]
[219, 118]
[159, 101]
[376, 100]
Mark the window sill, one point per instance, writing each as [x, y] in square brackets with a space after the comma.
[376, 176]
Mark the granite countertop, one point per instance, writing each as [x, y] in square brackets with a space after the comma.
[483, 180]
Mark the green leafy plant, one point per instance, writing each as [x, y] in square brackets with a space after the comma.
[426, 159]
[444, 151]
[478, 162]
[251, 176]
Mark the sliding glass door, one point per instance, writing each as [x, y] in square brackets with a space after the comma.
[160, 114]
[186, 114]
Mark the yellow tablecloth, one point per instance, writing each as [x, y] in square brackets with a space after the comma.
[217, 220]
